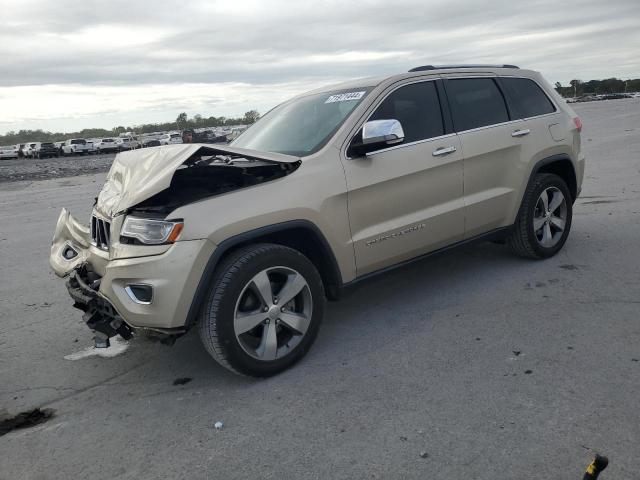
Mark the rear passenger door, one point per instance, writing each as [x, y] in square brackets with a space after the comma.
[406, 199]
[542, 132]
[491, 145]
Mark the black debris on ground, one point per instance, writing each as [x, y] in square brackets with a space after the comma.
[182, 380]
[569, 267]
[26, 419]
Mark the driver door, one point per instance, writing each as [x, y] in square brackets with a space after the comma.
[407, 199]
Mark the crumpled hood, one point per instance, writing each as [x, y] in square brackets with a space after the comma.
[136, 175]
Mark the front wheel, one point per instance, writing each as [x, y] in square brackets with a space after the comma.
[544, 220]
[263, 310]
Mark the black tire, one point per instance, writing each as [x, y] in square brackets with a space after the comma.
[216, 321]
[523, 240]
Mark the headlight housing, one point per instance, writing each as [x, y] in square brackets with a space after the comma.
[150, 231]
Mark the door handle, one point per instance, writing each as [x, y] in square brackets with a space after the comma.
[443, 151]
[520, 133]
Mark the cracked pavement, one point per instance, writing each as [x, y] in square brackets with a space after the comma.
[419, 361]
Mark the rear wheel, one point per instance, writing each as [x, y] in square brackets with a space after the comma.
[544, 220]
[263, 311]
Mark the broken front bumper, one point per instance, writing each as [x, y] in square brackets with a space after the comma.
[98, 280]
[99, 314]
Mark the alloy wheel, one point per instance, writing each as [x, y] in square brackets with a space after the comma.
[273, 313]
[550, 217]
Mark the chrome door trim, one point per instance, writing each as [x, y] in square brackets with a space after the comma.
[493, 125]
[411, 144]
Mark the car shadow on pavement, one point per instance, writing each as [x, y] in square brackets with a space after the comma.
[429, 285]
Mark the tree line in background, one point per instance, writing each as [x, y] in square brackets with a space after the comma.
[578, 88]
[181, 123]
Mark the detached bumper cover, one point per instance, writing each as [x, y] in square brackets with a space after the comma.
[99, 314]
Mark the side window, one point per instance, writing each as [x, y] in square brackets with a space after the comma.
[526, 98]
[417, 108]
[475, 102]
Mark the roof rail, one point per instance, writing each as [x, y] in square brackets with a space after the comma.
[442, 67]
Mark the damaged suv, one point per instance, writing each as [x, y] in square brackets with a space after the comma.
[245, 242]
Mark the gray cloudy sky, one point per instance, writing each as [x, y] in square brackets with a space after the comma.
[68, 64]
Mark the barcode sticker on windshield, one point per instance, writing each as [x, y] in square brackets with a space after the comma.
[343, 97]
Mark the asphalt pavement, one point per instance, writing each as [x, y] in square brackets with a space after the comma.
[473, 364]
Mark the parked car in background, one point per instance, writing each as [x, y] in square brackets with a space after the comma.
[18, 149]
[44, 150]
[8, 152]
[59, 145]
[27, 150]
[150, 142]
[74, 146]
[127, 143]
[107, 145]
[170, 138]
[91, 146]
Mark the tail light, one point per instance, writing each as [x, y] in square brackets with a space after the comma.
[578, 123]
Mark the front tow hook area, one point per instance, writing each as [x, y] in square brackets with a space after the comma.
[99, 314]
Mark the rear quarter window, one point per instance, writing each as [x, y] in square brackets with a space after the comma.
[475, 102]
[526, 98]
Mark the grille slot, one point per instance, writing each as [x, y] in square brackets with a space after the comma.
[100, 233]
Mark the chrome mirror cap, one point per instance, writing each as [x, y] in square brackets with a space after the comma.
[387, 131]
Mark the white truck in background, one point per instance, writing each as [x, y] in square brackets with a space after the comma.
[75, 146]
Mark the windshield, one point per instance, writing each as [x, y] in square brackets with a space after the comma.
[301, 126]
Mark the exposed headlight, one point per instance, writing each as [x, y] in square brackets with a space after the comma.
[152, 232]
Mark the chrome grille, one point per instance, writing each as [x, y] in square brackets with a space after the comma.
[100, 232]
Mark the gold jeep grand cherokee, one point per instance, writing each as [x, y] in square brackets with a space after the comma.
[246, 241]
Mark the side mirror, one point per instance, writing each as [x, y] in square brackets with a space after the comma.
[377, 134]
